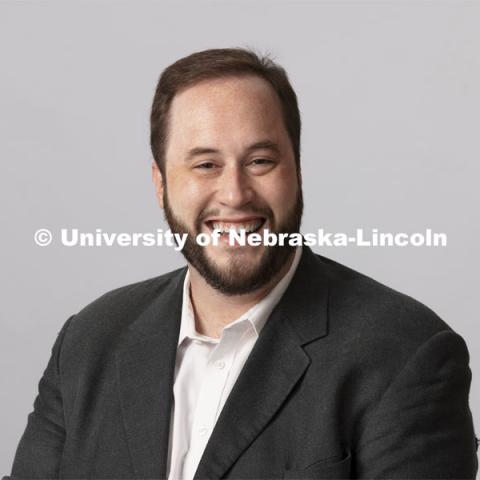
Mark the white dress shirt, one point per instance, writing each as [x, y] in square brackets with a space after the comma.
[205, 371]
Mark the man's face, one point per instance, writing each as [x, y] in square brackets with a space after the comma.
[230, 164]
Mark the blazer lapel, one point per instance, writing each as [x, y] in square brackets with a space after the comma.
[145, 369]
[276, 363]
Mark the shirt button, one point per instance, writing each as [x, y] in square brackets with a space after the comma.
[220, 364]
[202, 431]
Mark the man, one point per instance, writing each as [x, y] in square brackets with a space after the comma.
[255, 361]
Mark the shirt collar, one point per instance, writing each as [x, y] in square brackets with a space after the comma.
[257, 316]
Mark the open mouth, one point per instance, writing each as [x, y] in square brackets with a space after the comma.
[224, 227]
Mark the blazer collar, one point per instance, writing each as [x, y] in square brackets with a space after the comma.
[146, 363]
[145, 368]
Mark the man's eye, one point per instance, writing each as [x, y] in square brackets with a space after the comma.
[261, 161]
[205, 165]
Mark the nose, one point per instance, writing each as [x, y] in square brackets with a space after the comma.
[234, 189]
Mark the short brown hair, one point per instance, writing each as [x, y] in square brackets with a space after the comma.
[215, 63]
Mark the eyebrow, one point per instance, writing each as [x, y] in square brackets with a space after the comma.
[262, 145]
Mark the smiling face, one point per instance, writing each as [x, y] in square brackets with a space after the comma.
[229, 163]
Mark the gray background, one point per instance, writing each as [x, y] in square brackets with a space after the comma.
[389, 94]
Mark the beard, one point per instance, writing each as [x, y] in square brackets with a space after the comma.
[238, 278]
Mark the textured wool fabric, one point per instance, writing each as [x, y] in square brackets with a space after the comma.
[348, 379]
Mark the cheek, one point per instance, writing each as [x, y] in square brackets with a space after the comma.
[280, 192]
[185, 195]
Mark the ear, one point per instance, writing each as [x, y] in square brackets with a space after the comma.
[157, 179]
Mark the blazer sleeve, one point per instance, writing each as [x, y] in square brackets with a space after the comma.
[40, 449]
[422, 426]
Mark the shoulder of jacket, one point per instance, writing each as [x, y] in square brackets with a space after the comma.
[366, 305]
[109, 315]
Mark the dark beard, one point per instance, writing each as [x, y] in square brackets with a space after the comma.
[237, 279]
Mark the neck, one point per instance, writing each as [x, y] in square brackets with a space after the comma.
[214, 310]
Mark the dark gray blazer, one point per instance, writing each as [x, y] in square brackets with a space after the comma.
[348, 379]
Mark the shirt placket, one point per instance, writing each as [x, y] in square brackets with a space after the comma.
[217, 371]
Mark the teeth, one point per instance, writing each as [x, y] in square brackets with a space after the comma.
[236, 227]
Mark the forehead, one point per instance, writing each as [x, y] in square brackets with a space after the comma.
[225, 107]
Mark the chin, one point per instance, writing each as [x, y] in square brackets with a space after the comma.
[226, 254]
[239, 272]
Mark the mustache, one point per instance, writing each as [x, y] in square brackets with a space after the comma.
[266, 212]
